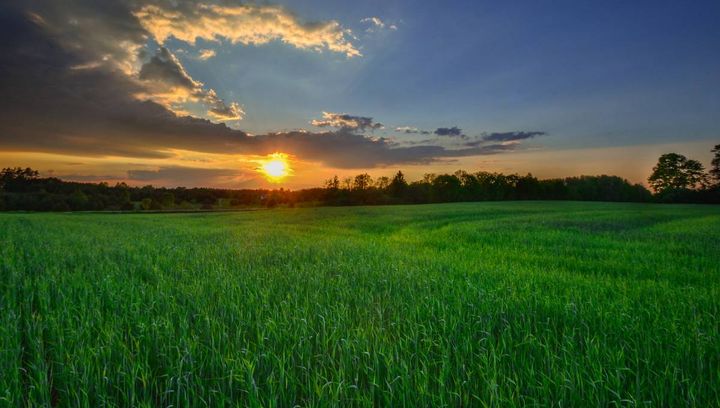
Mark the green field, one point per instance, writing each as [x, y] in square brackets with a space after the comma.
[477, 304]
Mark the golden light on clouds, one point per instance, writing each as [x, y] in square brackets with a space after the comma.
[275, 167]
[247, 24]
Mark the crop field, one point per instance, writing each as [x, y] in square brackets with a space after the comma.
[478, 304]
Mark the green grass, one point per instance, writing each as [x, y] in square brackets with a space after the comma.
[493, 304]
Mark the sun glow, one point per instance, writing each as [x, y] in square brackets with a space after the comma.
[275, 167]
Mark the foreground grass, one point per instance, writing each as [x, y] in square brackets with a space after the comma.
[497, 304]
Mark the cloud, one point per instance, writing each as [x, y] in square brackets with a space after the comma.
[511, 136]
[189, 176]
[172, 85]
[223, 112]
[247, 24]
[84, 178]
[375, 21]
[376, 24]
[100, 33]
[345, 149]
[450, 132]
[411, 130]
[206, 54]
[47, 106]
[345, 121]
[164, 67]
[112, 35]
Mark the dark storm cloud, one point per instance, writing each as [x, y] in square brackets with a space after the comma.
[55, 99]
[48, 105]
[511, 136]
[100, 32]
[451, 132]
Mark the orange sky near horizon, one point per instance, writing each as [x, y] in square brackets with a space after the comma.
[240, 171]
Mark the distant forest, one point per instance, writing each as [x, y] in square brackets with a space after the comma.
[675, 179]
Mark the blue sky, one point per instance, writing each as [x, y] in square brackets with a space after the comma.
[612, 84]
[588, 73]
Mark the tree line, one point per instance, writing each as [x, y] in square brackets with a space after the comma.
[675, 179]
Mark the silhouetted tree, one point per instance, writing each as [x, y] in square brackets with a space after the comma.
[494, 186]
[527, 188]
[362, 182]
[398, 185]
[382, 183]
[17, 179]
[333, 183]
[715, 166]
[446, 188]
[468, 184]
[428, 178]
[676, 172]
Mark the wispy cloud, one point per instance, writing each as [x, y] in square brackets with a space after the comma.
[511, 136]
[376, 24]
[206, 54]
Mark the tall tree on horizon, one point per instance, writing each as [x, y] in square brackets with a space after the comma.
[398, 185]
[362, 182]
[675, 171]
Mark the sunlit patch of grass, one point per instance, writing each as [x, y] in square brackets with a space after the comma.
[483, 304]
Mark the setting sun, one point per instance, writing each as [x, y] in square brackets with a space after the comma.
[275, 167]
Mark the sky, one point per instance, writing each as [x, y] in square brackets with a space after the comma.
[203, 93]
